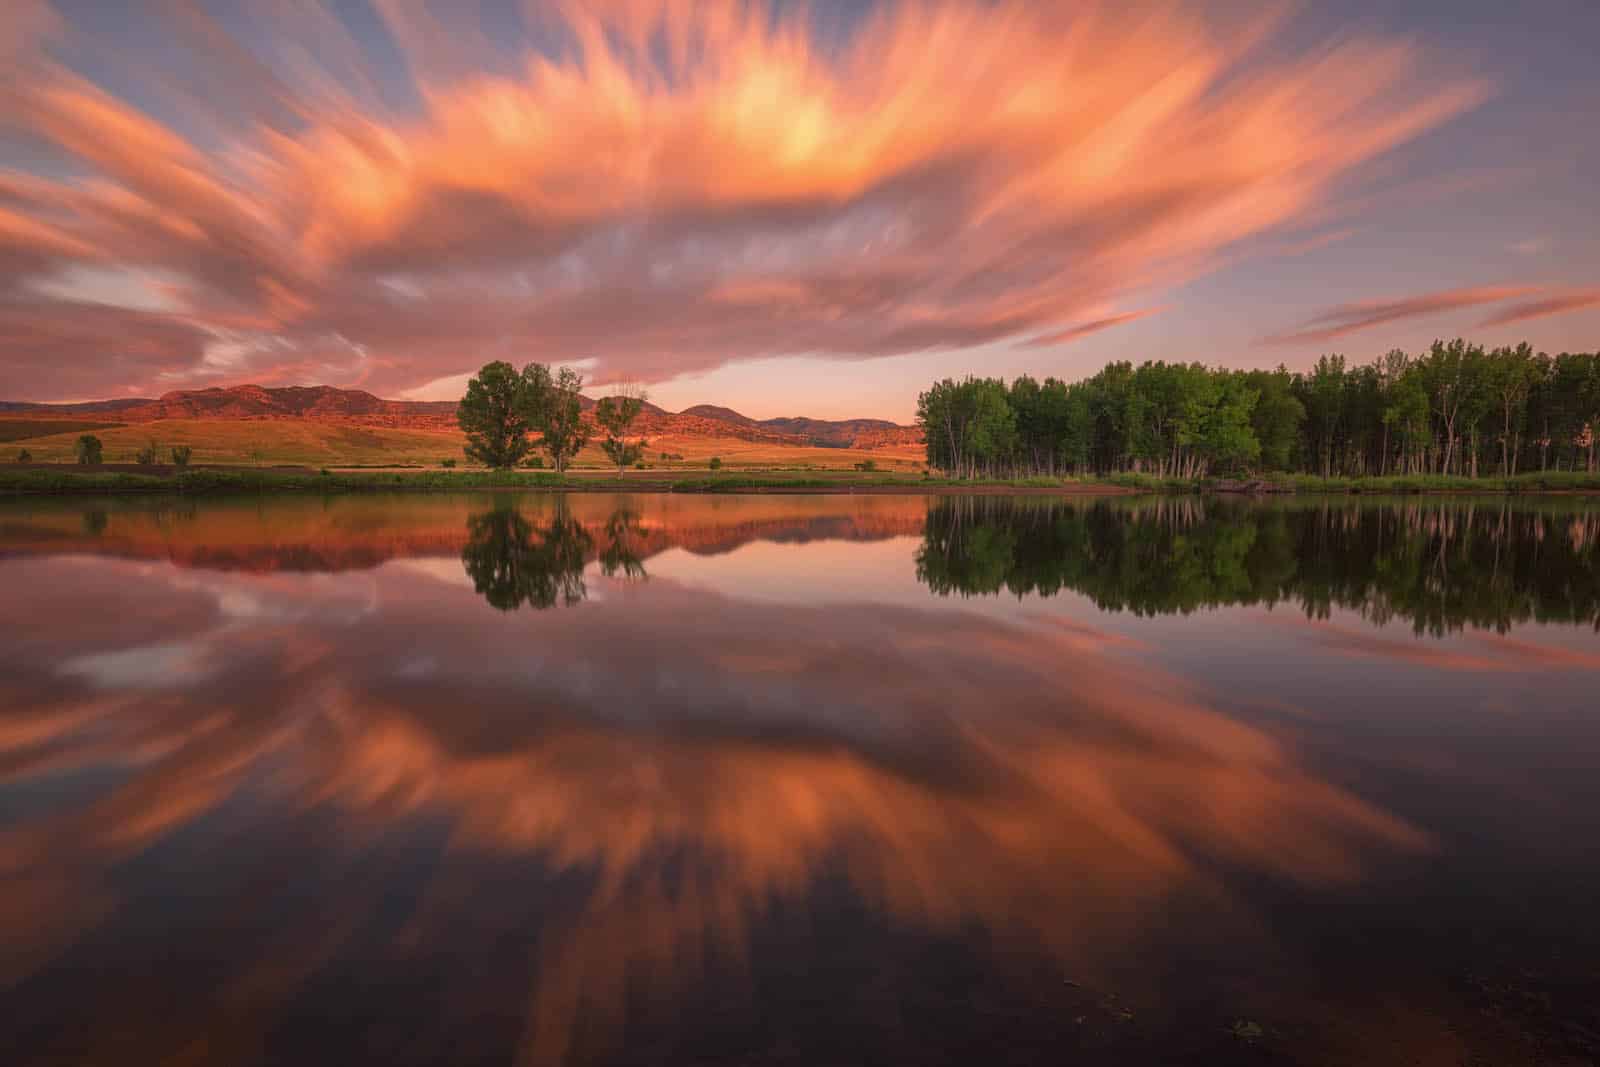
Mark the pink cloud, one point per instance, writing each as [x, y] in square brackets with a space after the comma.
[1073, 333]
[686, 186]
[1538, 309]
[1350, 318]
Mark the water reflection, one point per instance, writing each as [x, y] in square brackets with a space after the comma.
[357, 806]
[1439, 565]
[513, 562]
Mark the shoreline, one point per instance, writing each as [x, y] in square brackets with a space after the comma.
[127, 479]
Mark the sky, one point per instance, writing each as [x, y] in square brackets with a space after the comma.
[789, 210]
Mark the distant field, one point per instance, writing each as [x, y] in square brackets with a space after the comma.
[316, 443]
[27, 429]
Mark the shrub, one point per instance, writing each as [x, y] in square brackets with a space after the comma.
[716, 463]
[536, 463]
[24, 456]
[867, 465]
[447, 464]
[180, 456]
[89, 449]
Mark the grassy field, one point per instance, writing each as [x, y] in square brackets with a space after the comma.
[20, 429]
[68, 478]
[317, 443]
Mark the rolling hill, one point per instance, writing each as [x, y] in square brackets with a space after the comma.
[323, 425]
[358, 407]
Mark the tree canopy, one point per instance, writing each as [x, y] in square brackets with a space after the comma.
[498, 411]
[503, 406]
[1457, 408]
[615, 413]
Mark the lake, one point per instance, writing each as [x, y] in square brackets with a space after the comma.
[786, 779]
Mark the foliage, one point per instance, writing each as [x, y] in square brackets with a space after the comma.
[867, 465]
[1456, 410]
[24, 456]
[559, 414]
[715, 463]
[447, 464]
[497, 412]
[181, 454]
[146, 456]
[89, 449]
[615, 414]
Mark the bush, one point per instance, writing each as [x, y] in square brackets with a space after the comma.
[146, 456]
[536, 463]
[89, 449]
[180, 456]
[639, 466]
[24, 456]
[447, 464]
[867, 465]
[716, 463]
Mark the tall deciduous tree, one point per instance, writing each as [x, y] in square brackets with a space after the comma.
[615, 413]
[560, 414]
[499, 409]
[1454, 409]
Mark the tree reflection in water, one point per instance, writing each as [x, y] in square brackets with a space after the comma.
[1440, 565]
[514, 561]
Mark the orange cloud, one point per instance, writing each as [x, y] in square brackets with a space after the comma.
[1538, 309]
[675, 186]
[1350, 318]
[1073, 333]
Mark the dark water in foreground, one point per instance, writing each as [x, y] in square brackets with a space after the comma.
[799, 780]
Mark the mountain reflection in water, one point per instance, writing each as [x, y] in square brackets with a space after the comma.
[275, 780]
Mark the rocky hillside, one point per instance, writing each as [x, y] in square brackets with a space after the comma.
[359, 407]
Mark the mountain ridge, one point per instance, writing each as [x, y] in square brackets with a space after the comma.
[361, 407]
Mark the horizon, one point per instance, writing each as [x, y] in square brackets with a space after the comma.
[595, 392]
[739, 205]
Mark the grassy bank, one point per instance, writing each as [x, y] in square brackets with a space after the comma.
[70, 479]
[58, 479]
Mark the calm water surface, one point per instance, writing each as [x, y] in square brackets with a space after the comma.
[647, 779]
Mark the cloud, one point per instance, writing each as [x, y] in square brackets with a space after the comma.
[1538, 309]
[1073, 333]
[1350, 318]
[667, 187]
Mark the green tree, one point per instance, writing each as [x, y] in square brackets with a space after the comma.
[146, 456]
[181, 455]
[615, 414]
[1276, 418]
[560, 419]
[499, 409]
[89, 449]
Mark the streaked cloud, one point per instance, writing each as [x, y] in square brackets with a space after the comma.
[1350, 318]
[1073, 333]
[1575, 300]
[662, 187]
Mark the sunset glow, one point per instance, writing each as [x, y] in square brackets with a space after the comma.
[660, 189]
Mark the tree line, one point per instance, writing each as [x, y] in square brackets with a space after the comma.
[503, 407]
[1456, 409]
